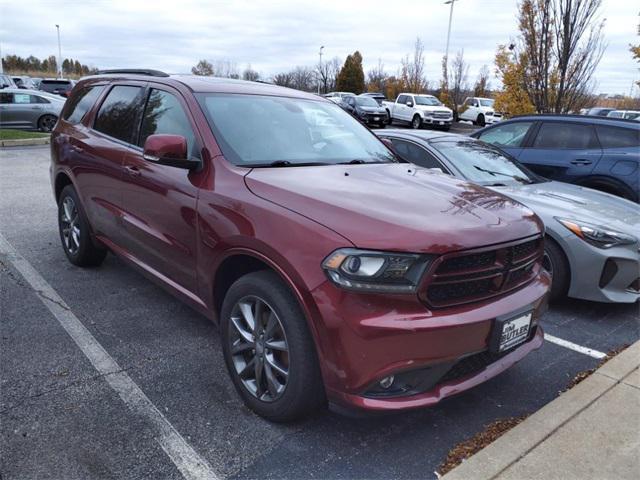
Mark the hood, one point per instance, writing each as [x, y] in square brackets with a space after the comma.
[396, 206]
[372, 109]
[434, 108]
[557, 199]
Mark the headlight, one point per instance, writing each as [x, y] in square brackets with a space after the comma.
[599, 236]
[428, 113]
[372, 271]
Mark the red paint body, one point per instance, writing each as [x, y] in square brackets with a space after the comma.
[179, 226]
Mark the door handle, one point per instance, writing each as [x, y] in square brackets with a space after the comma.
[581, 161]
[132, 171]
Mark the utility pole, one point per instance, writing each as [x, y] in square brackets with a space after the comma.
[1, 67]
[446, 52]
[320, 68]
[59, 53]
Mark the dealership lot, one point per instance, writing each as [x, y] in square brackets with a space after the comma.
[60, 417]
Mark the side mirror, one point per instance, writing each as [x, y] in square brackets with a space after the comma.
[168, 150]
[409, 103]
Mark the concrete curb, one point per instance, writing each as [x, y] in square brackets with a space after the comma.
[522, 439]
[25, 142]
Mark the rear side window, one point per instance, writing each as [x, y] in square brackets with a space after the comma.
[81, 103]
[118, 116]
[6, 98]
[565, 136]
[164, 114]
[507, 135]
[614, 137]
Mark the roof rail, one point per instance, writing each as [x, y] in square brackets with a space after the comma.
[134, 71]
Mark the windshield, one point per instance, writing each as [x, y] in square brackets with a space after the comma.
[258, 131]
[485, 102]
[483, 164]
[366, 102]
[432, 101]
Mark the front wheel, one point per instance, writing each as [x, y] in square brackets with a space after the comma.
[268, 349]
[75, 233]
[555, 262]
[416, 123]
[480, 121]
[47, 122]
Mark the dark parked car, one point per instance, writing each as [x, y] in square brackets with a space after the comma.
[599, 111]
[334, 271]
[57, 86]
[365, 109]
[600, 153]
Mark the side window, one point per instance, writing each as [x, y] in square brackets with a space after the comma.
[38, 99]
[21, 98]
[402, 99]
[415, 154]
[164, 114]
[6, 98]
[565, 136]
[118, 116]
[81, 103]
[615, 137]
[509, 135]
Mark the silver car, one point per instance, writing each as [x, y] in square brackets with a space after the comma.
[29, 109]
[592, 245]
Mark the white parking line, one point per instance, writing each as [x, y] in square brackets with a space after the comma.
[574, 347]
[186, 459]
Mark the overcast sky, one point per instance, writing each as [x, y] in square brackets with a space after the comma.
[276, 35]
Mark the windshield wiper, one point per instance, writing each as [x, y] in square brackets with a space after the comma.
[494, 173]
[287, 163]
[355, 161]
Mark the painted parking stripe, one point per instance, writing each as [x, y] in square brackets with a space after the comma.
[572, 346]
[186, 459]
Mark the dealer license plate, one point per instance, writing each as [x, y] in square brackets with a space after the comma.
[441, 123]
[376, 118]
[513, 332]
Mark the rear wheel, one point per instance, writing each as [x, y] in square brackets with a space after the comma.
[416, 122]
[47, 122]
[75, 233]
[268, 349]
[555, 262]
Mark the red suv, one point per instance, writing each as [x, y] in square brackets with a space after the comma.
[335, 271]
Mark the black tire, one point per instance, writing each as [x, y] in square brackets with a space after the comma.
[47, 122]
[75, 232]
[389, 119]
[613, 188]
[303, 391]
[382, 125]
[480, 120]
[416, 122]
[446, 128]
[555, 262]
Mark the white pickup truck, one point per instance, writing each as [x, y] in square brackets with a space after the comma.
[479, 111]
[419, 110]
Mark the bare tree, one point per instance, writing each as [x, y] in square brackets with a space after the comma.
[225, 68]
[328, 74]
[559, 47]
[283, 79]
[457, 82]
[303, 78]
[203, 68]
[482, 86]
[250, 74]
[377, 78]
[413, 71]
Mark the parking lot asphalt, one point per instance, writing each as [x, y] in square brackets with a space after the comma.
[60, 417]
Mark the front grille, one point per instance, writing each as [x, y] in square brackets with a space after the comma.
[470, 365]
[466, 277]
[441, 115]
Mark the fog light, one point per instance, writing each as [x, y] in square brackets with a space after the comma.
[386, 382]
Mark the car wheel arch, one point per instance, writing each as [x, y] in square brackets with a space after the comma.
[62, 180]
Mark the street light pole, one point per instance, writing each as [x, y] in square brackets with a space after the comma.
[59, 53]
[320, 68]
[446, 52]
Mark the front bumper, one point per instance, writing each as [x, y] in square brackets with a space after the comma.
[602, 275]
[437, 121]
[367, 338]
[490, 120]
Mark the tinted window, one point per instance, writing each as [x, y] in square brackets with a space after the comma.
[508, 135]
[81, 103]
[415, 154]
[6, 98]
[164, 114]
[51, 85]
[118, 116]
[564, 135]
[614, 137]
[402, 99]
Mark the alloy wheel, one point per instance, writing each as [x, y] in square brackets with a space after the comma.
[48, 122]
[416, 122]
[70, 225]
[259, 348]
